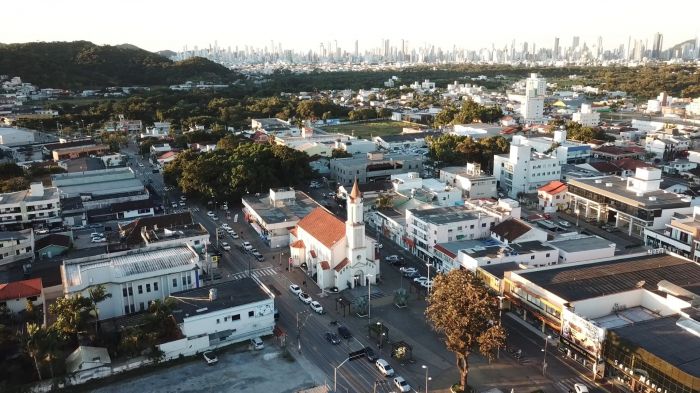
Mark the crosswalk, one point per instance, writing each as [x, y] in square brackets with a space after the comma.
[267, 271]
[567, 385]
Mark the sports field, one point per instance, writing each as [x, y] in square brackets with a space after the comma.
[368, 130]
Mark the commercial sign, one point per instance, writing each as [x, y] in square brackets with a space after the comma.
[582, 334]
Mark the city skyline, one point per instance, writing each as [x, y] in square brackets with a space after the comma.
[173, 25]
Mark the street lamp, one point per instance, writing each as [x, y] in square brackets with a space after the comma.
[578, 212]
[369, 299]
[544, 362]
[427, 378]
[500, 311]
[381, 334]
[429, 265]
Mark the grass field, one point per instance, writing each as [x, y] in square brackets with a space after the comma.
[368, 130]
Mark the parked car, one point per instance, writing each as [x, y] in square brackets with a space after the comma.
[402, 385]
[344, 332]
[226, 226]
[316, 306]
[384, 367]
[580, 388]
[257, 343]
[215, 218]
[406, 271]
[210, 357]
[420, 279]
[174, 204]
[332, 338]
[259, 257]
[295, 289]
[247, 246]
[183, 198]
[392, 258]
[565, 224]
[379, 245]
[41, 231]
[210, 213]
[304, 297]
[183, 204]
[98, 240]
[233, 234]
[225, 246]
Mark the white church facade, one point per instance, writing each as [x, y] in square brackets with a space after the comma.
[336, 254]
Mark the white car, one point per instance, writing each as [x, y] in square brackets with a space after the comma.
[226, 226]
[565, 224]
[233, 234]
[384, 367]
[402, 385]
[379, 245]
[210, 357]
[174, 204]
[304, 297]
[183, 198]
[257, 343]
[426, 284]
[210, 213]
[247, 246]
[140, 165]
[215, 218]
[295, 289]
[580, 388]
[98, 240]
[225, 246]
[420, 280]
[316, 306]
[407, 271]
[392, 258]
[183, 204]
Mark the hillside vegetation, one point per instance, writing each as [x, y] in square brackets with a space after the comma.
[82, 64]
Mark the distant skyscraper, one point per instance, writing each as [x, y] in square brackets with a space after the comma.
[657, 46]
[555, 51]
[697, 47]
[386, 49]
[357, 49]
[575, 43]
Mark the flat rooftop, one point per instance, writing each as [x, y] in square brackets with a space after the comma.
[578, 244]
[615, 187]
[665, 339]
[287, 212]
[229, 294]
[25, 195]
[445, 215]
[625, 317]
[362, 159]
[98, 182]
[587, 280]
[498, 270]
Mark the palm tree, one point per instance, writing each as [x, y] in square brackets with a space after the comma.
[33, 344]
[97, 294]
[51, 343]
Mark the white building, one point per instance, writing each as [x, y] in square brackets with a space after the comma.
[339, 255]
[39, 204]
[428, 227]
[524, 171]
[579, 248]
[471, 180]
[16, 246]
[517, 231]
[356, 146]
[532, 108]
[15, 295]
[586, 117]
[225, 313]
[273, 215]
[134, 278]
[537, 83]
[693, 109]
[428, 190]
[158, 130]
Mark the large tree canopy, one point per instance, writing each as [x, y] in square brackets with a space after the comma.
[460, 150]
[466, 314]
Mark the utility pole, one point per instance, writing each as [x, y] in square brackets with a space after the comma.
[335, 375]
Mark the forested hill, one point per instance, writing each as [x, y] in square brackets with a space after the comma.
[82, 65]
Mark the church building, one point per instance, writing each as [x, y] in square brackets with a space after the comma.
[335, 254]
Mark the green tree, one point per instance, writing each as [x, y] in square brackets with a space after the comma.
[34, 344]
[97, 294]
[340, 153]
[466, 314]
[70, 313]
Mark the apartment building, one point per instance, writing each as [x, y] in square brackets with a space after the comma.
[524, 171]
[38, 205]
[16, 246]
[471, 180]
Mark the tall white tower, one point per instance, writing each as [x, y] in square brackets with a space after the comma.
[355, 229]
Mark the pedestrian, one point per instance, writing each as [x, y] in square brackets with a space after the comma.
[304, 283]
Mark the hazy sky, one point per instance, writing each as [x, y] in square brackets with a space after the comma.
[303, 24]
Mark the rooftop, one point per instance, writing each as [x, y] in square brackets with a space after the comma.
[498, 270]
[586, 280]
[125, 264]
[20, 289]
[26, 196]
[362, 160]
[578, 244]
[323, 226]
[445, 215]
[53, 239]
[615, 188]
[131, 232]
[99, 182]
[664, 338]
[553, 187]
[511, 229]
[228, 294]
[281, 212]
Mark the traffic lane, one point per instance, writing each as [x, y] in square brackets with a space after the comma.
[359, 374]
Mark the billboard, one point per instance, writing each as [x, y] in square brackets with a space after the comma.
[581, 333]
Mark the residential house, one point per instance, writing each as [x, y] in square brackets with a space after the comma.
[52, 245]
[552, 196]
[515, 230]
[471, 180]
[16, 246]
[680, 236]
[15, 294]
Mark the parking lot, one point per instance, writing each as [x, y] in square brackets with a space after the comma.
[258, 371]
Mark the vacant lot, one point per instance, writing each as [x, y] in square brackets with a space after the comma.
[368, 130]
